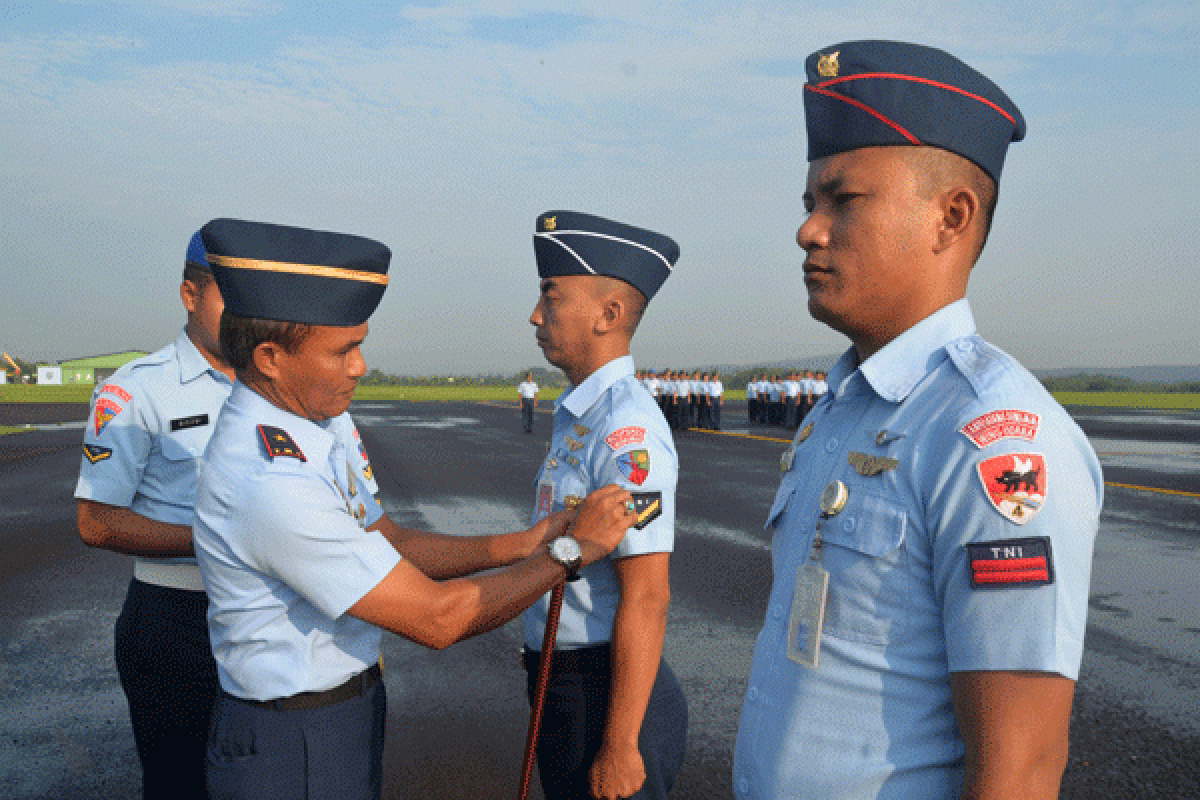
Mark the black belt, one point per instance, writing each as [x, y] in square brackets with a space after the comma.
[357, 686]
[583, 661]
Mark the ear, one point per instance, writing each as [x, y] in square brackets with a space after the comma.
[958, 208]
[611, 313]
[266, 360]
[190, 296]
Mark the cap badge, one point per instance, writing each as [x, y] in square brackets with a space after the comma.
[827, 66]
[550, 223]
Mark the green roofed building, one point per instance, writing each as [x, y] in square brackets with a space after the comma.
[95, 369]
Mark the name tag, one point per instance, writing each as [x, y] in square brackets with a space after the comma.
[194, 421]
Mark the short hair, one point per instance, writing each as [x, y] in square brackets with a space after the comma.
[197, 274]
[240, 336]
[634, 301]
[941, 169]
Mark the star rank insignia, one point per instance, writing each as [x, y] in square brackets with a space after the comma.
[279, 443]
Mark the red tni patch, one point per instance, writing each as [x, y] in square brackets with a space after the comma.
[624, 437]
[1011, 562]
[1004, 424]
[1015, 483]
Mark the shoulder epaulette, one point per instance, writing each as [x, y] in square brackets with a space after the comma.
[279, 443]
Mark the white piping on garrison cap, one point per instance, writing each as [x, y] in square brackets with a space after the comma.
[551, 235]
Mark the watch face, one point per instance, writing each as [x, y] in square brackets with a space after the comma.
[566, 551]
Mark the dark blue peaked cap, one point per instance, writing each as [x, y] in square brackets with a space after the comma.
[295, 274]
[871, 93]
[196, 256]
[571, 243]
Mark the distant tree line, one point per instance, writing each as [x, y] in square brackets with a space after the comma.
[1112, 383]
[543, 377]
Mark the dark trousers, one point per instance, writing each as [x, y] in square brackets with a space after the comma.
[751, 409]
[789, 413]
[263, 754]
[527, 414]
[573, 727]
[169, 678]
[716, 415]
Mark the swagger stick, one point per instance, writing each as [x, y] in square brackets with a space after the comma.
[539, 695]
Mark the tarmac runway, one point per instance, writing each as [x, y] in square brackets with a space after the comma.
[456, 719]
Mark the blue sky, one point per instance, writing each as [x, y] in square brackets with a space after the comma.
[443, 130]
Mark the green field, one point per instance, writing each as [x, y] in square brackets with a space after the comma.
[81, 393]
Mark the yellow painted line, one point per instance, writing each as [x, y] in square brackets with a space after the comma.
[1151, 489]
[740, 435]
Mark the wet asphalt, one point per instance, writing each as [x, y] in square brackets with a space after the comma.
[456, 719]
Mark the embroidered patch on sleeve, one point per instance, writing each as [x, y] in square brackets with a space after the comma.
[635, 465]
[1005, 424]
[106, 410]
[194, 421]
[279, 443]
[1011, 562]
[1015, 484]
[649, 507]
[623, 437]
[95, 452]
[112, 388]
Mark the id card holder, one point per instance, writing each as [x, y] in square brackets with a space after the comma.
[808, 614]
[545, 500]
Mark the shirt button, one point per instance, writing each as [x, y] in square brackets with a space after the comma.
[848, 524]
[743, 786]
[831, 445]
[752, 695]
[777, 612]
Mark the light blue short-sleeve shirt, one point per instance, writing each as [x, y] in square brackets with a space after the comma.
[608, 429]
[283, 551]
[144, 440]
[965, 544]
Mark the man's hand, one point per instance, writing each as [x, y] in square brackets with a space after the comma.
[553, 526]
[602, 520]
[617, 772]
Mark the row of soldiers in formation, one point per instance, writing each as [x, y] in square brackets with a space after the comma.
[771, 401]
[687, 399]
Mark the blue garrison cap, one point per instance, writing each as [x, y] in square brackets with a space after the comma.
[871, 93]
[571, 243]
[295, 274]
[196, 257]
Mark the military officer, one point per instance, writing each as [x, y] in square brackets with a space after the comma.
[142, 452]
[528, 391]
[934, 525]
[616, 718]
[752, 400]
[716, 393]
[302, 567]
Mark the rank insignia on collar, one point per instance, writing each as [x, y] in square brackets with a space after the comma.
[582, 430]
[95, 452]
[804, 433]
[869, 466]
[1015, 484]
[648, 506]
[279, 443]
[572, 444]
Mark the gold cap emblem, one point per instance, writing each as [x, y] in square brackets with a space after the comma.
[827, 65]
[550, 223]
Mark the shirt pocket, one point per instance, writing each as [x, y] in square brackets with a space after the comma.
[870, 577]
[183, 455]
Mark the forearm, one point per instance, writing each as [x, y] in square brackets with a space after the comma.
[441, 556]
[638, 632]
[124, 531]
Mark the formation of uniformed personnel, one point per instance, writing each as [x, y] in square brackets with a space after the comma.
[303, 569]
[528, 390]
[142, 452]
[616, 719]
[934, 524]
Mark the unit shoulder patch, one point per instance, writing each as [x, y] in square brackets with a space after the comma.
[648, 506]
[1015, 484]
[623, 437]
[112, 388]
[279, 443]
[95, 452]
[1011, 562]
[1009, 423]
[635, 465]
[106, 411]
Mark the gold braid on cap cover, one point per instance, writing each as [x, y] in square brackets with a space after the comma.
[298, 269]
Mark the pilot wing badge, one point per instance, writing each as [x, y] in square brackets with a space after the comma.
[1016, 484]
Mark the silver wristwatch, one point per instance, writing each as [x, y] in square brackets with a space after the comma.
[566, 551]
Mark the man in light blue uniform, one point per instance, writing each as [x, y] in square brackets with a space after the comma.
[615, 722]
[143, 448]
[302, 567]
[934, 525]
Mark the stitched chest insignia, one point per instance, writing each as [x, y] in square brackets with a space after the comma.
[635, 465]
[1015, 484]
[279, 443]
[572, 444]
[582, 430]
[869, 466]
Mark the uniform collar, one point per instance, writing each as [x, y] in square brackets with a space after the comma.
[192, 363]
[895, 370]
[582, 397]
[316, 439]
